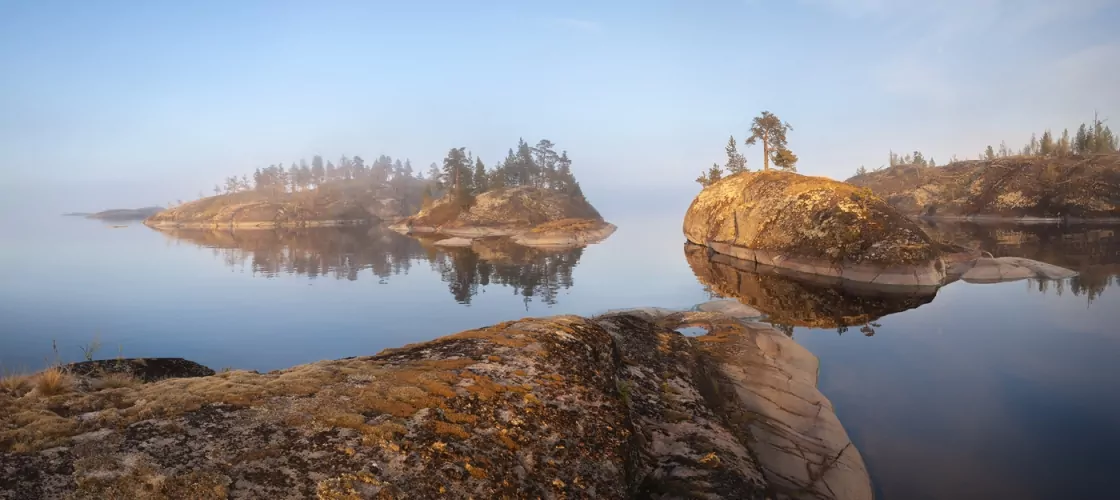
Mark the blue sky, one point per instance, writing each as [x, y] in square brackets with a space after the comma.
[142, 102]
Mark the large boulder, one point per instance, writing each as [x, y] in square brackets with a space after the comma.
[813, 225]
[619, 406]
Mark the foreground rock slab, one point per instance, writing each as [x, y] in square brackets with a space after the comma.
[619, 406]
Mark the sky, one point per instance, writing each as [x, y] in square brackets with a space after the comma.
[130, 103]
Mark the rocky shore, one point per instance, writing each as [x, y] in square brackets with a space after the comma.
[616, 406]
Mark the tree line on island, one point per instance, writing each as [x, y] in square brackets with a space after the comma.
[770, 131]
[461, 174]
[1090, 138]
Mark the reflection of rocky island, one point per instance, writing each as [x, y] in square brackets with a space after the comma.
[346, 253]
[799, 300]
[1091, 250]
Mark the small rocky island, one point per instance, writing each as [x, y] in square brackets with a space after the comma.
[821, 227]
[528, 215]
[119, 214]
[617, 406]
[531, 197]
[1025, 188]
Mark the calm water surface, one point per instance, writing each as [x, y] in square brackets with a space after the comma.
[980, 391]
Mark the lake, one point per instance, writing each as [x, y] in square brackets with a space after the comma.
[1009, 390]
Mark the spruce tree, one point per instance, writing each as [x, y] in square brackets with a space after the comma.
[736, 162]
[481, 181]
[1046, 144]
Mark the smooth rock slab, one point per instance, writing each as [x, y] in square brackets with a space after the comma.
[732, 308]
[454, 242]
[1002, 269]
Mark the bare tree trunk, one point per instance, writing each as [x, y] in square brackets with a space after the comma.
[766, 152]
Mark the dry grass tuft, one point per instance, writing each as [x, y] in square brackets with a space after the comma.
[53, 380]
[13, 382]
[116, 381]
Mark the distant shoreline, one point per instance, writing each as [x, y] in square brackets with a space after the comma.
[256, 224]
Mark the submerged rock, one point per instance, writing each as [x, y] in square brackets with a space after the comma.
[1001, 269]
[813, 225]
[454, 242]
[619, 406]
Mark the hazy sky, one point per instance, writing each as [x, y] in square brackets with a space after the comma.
[140, 102]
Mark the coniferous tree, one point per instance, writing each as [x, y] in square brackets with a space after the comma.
[1081, 141]
[989, 153]
[736, 162]
[1063, 148]
[861, 170]
[545, 158]
[769, 129]
[784, 159]
[481, 181]
[1046, 144]
[318, 173]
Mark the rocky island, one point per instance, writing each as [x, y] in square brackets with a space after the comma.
[1022, 188]
[345, 203]
[527, 215]
[616, 406]
[820, 227]
[119, 214]
[531, 197]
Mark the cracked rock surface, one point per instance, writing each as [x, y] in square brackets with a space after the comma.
[617, 406]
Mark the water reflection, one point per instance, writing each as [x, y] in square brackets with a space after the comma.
[347, 253]
[789, 302]
[1093, 251]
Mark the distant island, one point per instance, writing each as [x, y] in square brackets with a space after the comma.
[531, 197]
[118, 214]
[305, 195]
[1050, 179]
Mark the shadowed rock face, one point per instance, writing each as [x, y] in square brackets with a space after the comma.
[814, 225]
[619, 406]
[793, 299]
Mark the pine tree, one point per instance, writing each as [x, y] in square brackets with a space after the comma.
[481, 181]
[989, 153]
[565, 180]
[1081, 141]
[1063, 148]
[784, 159]
[861, 170]
[736, 162]
[1046, 144]
[318, 173]
[545, 159]
[712, 176]
[769, 129]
